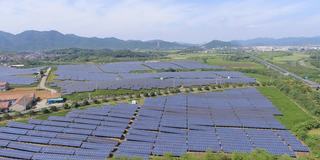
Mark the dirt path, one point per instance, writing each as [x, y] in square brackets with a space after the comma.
[42, 84]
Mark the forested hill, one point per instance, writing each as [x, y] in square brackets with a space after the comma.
[48, 40]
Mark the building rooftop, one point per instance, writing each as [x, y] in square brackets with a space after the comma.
[4, 105]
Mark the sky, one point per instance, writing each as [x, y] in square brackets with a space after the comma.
[190, 21]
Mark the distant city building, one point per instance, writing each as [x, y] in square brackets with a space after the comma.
[4, 86]
[17, 65]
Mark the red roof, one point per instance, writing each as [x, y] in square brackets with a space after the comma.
[4, 105]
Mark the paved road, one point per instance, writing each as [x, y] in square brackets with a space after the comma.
[285, 72]
[42, 84]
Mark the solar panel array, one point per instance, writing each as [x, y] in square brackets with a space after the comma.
[18, 76]
[235, 120]
[80, 78]
[90, 134]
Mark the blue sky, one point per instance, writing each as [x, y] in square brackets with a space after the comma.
[194, 21]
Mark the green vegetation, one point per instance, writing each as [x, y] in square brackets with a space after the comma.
[105, 93]
[52, 75]
[300, 63]
[255, 155]
[292, 114]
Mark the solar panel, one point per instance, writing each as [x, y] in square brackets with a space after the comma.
[77, 131]
[58, 150]
[15, 154]
[24, 147]
[13, 130]
[234, 120]
[91, 152]
[31, 139]
[6, 136]
[20, 125]
[4, 143]
[72, 136]
[64, 142]
[42, 134]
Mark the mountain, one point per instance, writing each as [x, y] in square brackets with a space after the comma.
[290, 41]
[218, 44]
[48, 40]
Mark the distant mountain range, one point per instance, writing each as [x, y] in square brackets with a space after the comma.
[49, 40]
[290, 41]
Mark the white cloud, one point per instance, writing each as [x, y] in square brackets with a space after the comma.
[187, 21]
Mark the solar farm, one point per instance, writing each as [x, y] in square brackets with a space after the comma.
[121, 75]
[18, 76]
[233, 120]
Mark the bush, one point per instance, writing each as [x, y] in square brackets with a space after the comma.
[95, 101]
[207, 88]
[18, 114]
[66, 106]
[152, 94]
[75, 105]
[138, 95]
[6, 116]
[146, 94]
[54, 108]
[85, 103]
[32, 112]
[45, 110]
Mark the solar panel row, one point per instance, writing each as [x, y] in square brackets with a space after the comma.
[79, 78]
[235, 120]
[82, 134]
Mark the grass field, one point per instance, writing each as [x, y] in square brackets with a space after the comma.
[52, 75]
[292, 114]
[259, 77]
[293, 57]
[314, 132]
[293, 62]
[85, 95]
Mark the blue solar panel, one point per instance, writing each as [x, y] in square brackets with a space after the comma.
[100, 146]
[42, 134]
[13, 130]
[91, 152]
[58, 150]
[60, 119]
[64, 142]
[175, 124]
[31, 139]
[20, 125]
[55, 123]
[72, 136]
[77, 131]
[4, 143]
[46, 156]
[15, 154]
[82, 126]
[24, 147]
[49, 128]
[6, 136]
